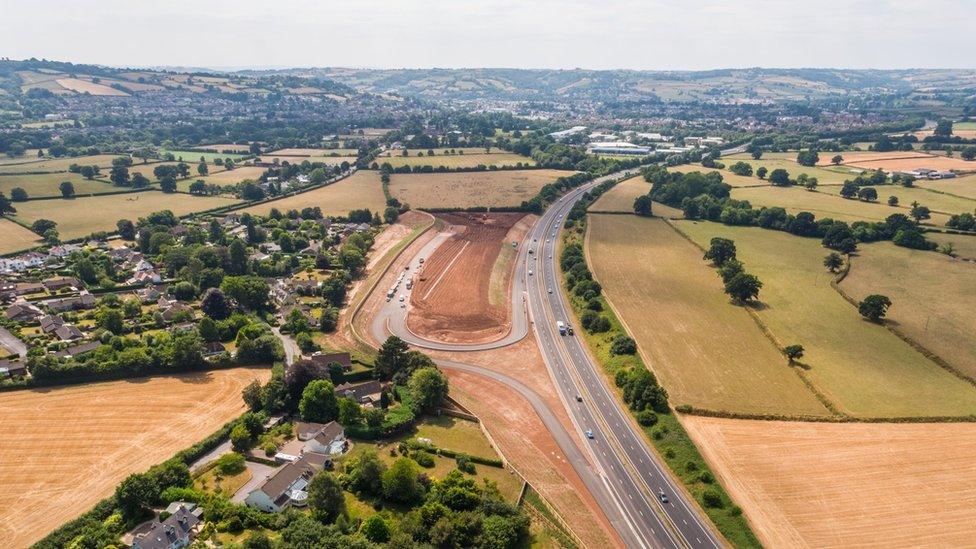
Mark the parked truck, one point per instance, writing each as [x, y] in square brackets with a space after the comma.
[561, 326]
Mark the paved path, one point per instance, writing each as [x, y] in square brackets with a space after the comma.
[12, 343]
[259, 473]
[291, 348]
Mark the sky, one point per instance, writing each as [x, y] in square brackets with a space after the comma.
[592, 34]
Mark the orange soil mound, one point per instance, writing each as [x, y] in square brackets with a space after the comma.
[450, 298]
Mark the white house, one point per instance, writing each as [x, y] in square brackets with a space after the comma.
[287, 486]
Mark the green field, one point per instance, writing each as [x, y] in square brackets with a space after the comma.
[937, 202]
[82, 216]
[59, 164]
[824, 204]
[707, 352]
[959, 186]
[48, 184]
[861, 367]
[194, 157]
[772, 161]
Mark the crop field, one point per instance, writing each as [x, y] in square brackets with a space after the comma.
[958, 130]
[807, 484]
[865, 370]
[89, 87]
[314, 152]
[13, 237]
[468, 189]
[706, 351]
[727, 176]
[56, 463]
[854, 157]
[360, 190]
[959, 186]
[147, 169]
[195, 156]
[235, 147]
[329, 160]
[824, 205]
[938, 202]
[450, 298]
[461, 151]
[964, 245]
[458, 160]
[48, 184]
[83, 216]
[621, 197]
[934, 310]
[824, 175]
[59, 164]
[227, 177]
[907, 164]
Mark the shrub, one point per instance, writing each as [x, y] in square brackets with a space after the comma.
[230, 464]
[646, 418]
[623, 345]
[464, 464]
[423, 458]
[711, 498]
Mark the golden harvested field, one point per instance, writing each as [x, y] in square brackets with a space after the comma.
[727, 176]
[458, 160]
[313, 152]
[468, 189]
[147, 169]
[331, 160]
[360, 190]
[60, 164]
[825, 175]
[853, 157]
[48, 184]
[846, 485]
[706, 351]
[233, 147]
[443, 151]
[13, 237]
[55, 463]
[621, 197]
[959, 186]
[83, 216]
[907, 164]
[964, 245]
[824, 205]
[865, 370]
[937, 202]
[965, 134]
[91, 88]
[228, 177]
[933, 297]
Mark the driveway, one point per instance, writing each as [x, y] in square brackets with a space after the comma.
[259, 473]
[12, 343]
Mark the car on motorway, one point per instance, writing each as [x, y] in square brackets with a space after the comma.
[530, 272]
[662, 496]
[402, 298]
[569, 330]
[589, 434]
[579, 397]
[421, 260]
[550, 290]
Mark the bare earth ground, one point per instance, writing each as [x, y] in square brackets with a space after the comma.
[450, 297]
[467, 189]
[845, 484]
[69, 447]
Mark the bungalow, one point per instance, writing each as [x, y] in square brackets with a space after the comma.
[173, 310]
[78, 350]
[149, 294]
[50, 323]
[326, 439]
[55, 284]
[67, 332]
[367, 393]
[176, 532]
[83, 301]
[145, 277]
[324, 359]
[12, 369]
[22, 312]
[143, 265]
[287, 486]
[63, 251]
[213, 348]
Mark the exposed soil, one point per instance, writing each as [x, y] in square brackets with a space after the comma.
[450, 298]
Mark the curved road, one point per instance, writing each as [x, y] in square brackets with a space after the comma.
[630, 477]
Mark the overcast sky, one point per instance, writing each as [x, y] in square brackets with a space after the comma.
[649, 34]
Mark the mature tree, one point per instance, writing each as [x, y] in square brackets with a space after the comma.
[741, 168]
[6, 206]
[167, 184]
[319, 403]
[833, 261]
[837, 159]
[202, 168]
[240, 438]
[198, 187]
[126, 228]
[874, 307]
[731, 268]
[215, 304]
[780, 177]
[67, 189]
[793, 352]
[743, 287]
[136, 494]
[391, 359]
[251, 292]
[969, 153]
[375, 529]
[238, 257]
[623, 345]
[943, 128]
[88, 172]
[643, 205]
[849, 190]
[919, 212]
[365, 473]
[868, 194]
[720, 250]
[892, 200]
[41, 226]
[18, 194]
[110, 319]
[428, 386]
[807, 158]
[761, 172]
[401, 483]
[119, 176]
[325, 497]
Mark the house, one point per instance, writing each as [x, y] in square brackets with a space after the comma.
[22, 312]
[67, 332]
[213, 348]
[12, 369]
[50, 323]
[145, 277]
[78, 350]
[83, 301]
[169, 313]
[149, 294]
[176, 532]
[143, 265]
[367, 393]
[63, 251]
[327, 439]
[55, 284]
[286, 487]
[324, 359]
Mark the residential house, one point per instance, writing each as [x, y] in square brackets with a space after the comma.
[148, 294]
[327, 439]
[58, 283]
[286, 487]
[67, 332]
[23, 312]
[324, 359]
[367, 393]
[85, 300]
[143, 265]
[213, 348]
[78, 350]
[50, 323]
[176, 532]
[170, 312]
[145, 277]
[63, 250]
[12, 369]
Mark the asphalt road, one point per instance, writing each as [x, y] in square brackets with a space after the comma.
[631, 478]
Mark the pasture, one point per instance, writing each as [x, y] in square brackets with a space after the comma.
[621, 197]
[861, 367]
[933, 297]
[56, 463]
[148, 169]
[808, 484]
[469, 189]
[964, 245]
[771, 161]
[13, 237]
[227, 177]
[49, 165]
[854, 157]
[907, 164]
[937, 202]
[461, 151]
[959, 186]
[706, 351]
[82, 216]
[458, 160]
[88, 87]
[727, 176]
[823, 204]
[360, 190]
[329, 160]
[314, 152]
[48, 184]
[196, 156]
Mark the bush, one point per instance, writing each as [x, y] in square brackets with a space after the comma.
[423, 458]
[623, 345]
[646, 418]
[464, 464]
[230, 464]
[711, 498]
